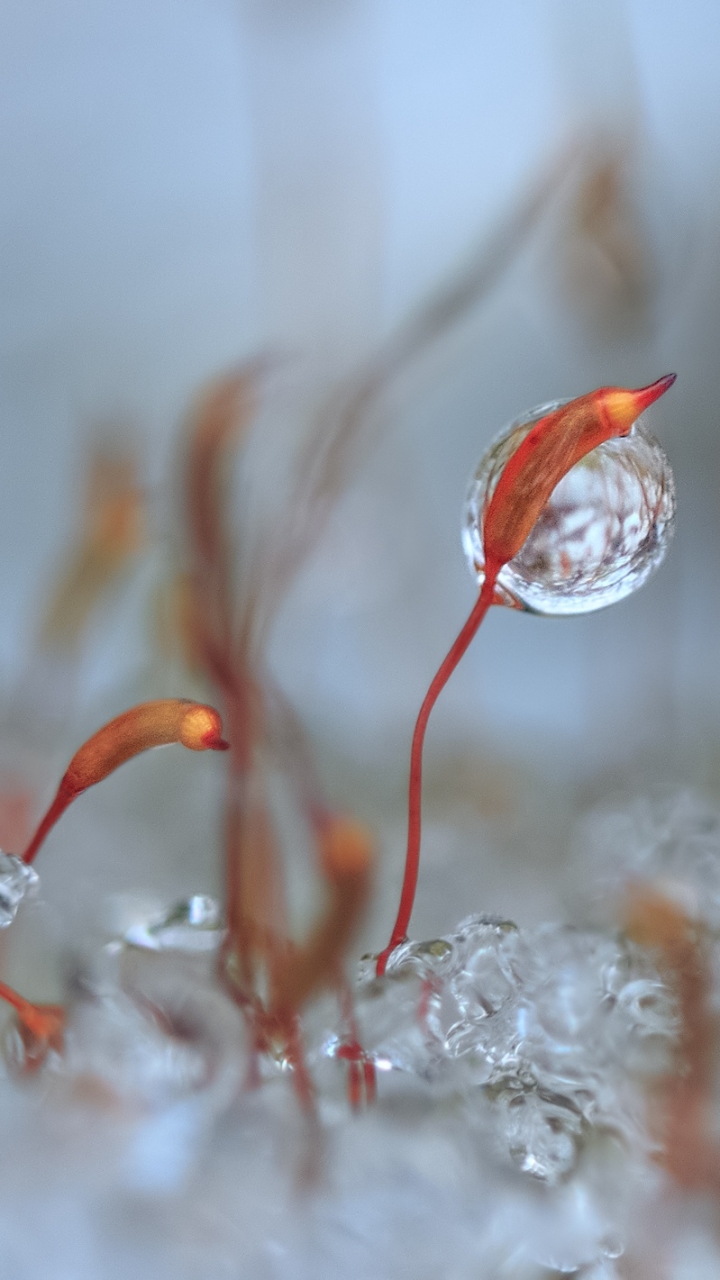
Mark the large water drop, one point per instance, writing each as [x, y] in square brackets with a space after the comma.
[605, 529]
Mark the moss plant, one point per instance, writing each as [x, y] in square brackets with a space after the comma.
[554, 445]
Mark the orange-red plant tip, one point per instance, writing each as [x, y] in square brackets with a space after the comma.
[619, 407]
[151, 724]
[646, 396]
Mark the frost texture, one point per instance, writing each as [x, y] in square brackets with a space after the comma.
[670, 840]
[604, 530]
[509, 1137]
[17, 879]
[540, 1033]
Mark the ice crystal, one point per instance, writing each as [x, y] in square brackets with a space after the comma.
[194, 924]
[17, 879]
[544, 1035]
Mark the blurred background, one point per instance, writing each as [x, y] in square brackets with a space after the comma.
[423, 219]
[191, 183]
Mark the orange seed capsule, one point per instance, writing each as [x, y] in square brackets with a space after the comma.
[151, 724]
[548, 452]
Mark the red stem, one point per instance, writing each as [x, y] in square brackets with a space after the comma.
[65, 796]
[412, 857]
[12, 997]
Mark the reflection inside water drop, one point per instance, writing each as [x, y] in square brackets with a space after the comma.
[605, 529]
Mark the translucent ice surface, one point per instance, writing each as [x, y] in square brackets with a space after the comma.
[545, 1035]
[194, 924]
[16, 880]
[670, 840]
[508, 1138]
[605, 529]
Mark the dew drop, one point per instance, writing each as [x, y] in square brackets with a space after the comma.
[605, 529]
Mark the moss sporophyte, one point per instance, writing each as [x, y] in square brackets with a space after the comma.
[555, 444]
[514, 507]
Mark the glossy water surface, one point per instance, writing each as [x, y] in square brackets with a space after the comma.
[606, 527]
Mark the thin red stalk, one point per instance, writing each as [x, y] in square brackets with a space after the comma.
[12, 997]
[302, 1080]
[361, 1069]
[412, 857]
[63, 799]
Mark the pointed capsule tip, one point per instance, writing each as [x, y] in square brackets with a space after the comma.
[646, 396]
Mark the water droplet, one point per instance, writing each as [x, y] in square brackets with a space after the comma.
[16, 880]
[191, 925]
[605, 529]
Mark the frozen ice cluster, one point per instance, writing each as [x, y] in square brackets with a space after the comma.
[543, 1035]
[17, 880]
[509, 1140]
[505, 1137]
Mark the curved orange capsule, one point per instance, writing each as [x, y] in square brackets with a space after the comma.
[151, 724]
[550, 449]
